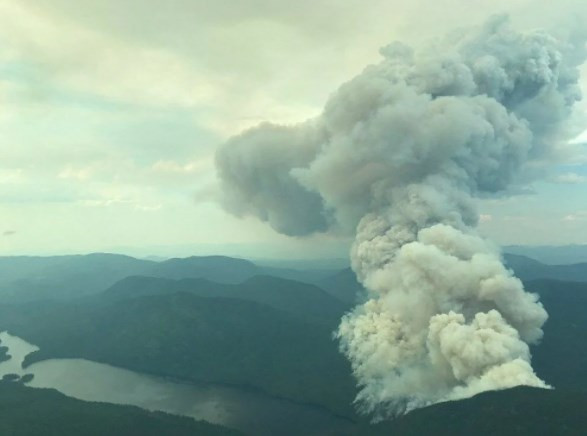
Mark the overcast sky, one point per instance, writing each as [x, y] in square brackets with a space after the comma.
[110, 112]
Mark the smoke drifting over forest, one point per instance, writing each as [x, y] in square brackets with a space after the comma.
[398, 156]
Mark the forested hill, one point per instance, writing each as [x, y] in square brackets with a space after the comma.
[45, 412]
[520, 411]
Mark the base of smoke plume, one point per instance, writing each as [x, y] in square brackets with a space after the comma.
[390, 410]
[407, 345]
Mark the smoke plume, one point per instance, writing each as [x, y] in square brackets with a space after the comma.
[398, 156]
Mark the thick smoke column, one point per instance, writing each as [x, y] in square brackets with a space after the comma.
[398, 154]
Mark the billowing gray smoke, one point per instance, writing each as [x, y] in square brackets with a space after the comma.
[398, 154]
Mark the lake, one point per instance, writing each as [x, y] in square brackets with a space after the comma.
[251, 412]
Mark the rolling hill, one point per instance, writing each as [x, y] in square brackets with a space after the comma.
[512, 412]
[184, 336]
[24, 279]
[302, 300]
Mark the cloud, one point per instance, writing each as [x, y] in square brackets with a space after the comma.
[75, 173]
[98, 92]
[227, 59]
[570, 178]
[11, 175]
[93, 61]
[169, 167]
[324, 173]
[124, 202]
[576, 216]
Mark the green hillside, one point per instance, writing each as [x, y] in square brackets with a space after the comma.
[302, 300]
[520, 411]
[45, 412]
[195, 338]
[561, 357]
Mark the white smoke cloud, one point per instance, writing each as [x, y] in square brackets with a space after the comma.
[443, 312]
[398, 155]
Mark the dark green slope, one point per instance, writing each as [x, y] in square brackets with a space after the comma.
[194, 338]
[561, 357]
[45, 412]
[520, 411]
[302, 300]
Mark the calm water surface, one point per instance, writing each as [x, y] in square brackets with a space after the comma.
[251, 412]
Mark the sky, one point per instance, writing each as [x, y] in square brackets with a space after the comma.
[110, 114]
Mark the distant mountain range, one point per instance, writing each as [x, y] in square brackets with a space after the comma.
[26, 278]
[530, 269]
[551, 254]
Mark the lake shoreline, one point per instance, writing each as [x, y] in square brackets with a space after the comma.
[243, 408]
